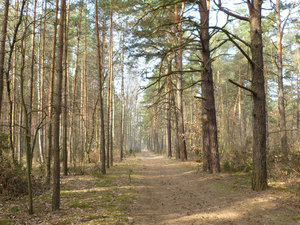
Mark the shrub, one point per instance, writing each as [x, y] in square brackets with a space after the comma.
[237, 157]
[13, 180]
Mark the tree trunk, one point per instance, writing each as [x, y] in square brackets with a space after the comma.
[101, 80]
[73, 138]
[66, 84]
[84, 101]
[50, 99]
[31, 93]
[177, 148]
[43, 74]
[298, 93]
[281, 107]
[178, 64]
[27, 131]
[168, 98]
[122, 96]
[111, 83]
[209, 121]
[57, 110]
[2, 51]
[259, 173]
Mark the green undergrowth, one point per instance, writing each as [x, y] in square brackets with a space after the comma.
[5, 221]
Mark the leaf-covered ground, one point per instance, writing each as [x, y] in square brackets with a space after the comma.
[85, 199]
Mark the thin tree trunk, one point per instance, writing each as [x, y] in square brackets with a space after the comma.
[177, 148]
[293, 107]
[298, 93]
[66, 84]
[281, 107]
[83, 102]
[2, 51]
[50, 99]
[13, 98]
[101, 80]
[57, 110]
[27, 131]
[12, 45]
[179, 101]
[168, 98]
[20, 144]
[31, 93]
[122, 96]
[111, 83]
[72, 134]
[43, 130]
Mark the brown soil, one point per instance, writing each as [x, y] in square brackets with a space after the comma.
[172, 192]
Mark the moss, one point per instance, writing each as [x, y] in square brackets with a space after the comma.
[14, 209]
[64, 222]
[297, 218]
[81, 205]
[6, 221]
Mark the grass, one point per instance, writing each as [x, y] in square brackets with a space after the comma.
[5, 221]
[80, 205]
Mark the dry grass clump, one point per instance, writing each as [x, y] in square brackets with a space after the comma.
[13, 180]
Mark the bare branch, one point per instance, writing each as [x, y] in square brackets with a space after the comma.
[243, 87]
[199, 97]
[219, 5]
[287, 17]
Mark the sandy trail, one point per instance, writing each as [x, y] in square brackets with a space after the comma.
[172, 192]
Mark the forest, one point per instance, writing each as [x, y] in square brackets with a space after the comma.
[149, 112]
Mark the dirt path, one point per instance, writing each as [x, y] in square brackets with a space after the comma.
[171, 192]
[149, 189]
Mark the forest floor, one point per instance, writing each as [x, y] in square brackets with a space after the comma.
[150, 189]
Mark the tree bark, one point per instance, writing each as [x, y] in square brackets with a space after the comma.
[50, 99]
[101, 80]
[178, 64]
[27, 131]
[31, 93]
[168, 98]
[57, 110]
[43, 74]
[111, 83]
[259, 173]
[73, 138]
[211, 160]
[122, 96]
[66, 84]
[2, 51]
[281, 107]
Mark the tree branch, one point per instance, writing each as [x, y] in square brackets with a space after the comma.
[287, 17]
[219, 5]
[243, 87]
